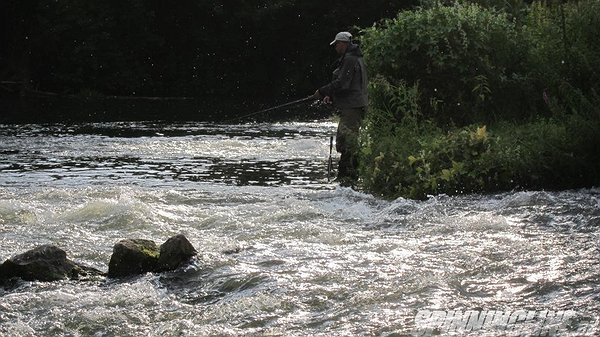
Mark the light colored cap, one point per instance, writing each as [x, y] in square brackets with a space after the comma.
[343, 37]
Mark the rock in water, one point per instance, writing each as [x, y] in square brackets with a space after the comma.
[176, 251]
[44, 263]
[133, 256]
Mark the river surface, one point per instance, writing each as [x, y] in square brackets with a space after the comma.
[282, 252]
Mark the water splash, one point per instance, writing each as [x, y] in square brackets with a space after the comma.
[281, 251]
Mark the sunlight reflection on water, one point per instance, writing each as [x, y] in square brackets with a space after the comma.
[281, 251]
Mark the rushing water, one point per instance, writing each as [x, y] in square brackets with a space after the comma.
[281, 251]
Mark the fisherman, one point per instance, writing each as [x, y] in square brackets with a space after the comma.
[348, 92]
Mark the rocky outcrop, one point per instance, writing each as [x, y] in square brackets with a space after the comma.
[44, 263]
[174, 252]
[129, 257]
[138, 256]
[132, 257]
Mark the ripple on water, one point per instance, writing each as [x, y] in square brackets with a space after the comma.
[281, 251]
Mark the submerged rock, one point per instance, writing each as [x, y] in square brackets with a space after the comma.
[44, 263]
[133, 256]
[176, 251]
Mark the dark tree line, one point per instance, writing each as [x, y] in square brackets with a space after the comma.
[244, 51]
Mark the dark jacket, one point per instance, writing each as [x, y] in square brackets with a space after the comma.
[348, 88]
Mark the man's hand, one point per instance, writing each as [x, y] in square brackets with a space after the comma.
[326, 99]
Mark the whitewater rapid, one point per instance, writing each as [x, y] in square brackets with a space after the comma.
[282, 252]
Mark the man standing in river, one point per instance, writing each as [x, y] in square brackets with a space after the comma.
[348, 92]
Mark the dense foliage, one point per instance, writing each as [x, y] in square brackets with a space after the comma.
[226, 50]
[473, 99]
[466, 60]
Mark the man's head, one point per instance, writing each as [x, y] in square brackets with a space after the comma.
[341, 42]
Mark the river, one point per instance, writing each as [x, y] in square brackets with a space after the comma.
[282, 252]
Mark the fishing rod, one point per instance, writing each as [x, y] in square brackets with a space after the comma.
[298, 101]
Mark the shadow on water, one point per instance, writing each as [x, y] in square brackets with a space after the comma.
[200, 169]
[86, 109]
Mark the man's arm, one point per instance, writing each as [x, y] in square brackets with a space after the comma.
[343, 79]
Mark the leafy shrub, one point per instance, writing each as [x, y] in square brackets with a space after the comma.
[440, 73]
[544, 153]
[564, 55]
[468, 61]
[390, 131]
[548, 153]
[439, 163]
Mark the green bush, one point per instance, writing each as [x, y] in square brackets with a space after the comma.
[467, 61]
[544, 153]
[548, 154]
[564, 55]
[433, 162]
[450, 114]
[390, 131]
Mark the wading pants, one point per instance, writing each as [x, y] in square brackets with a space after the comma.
[346, 141]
